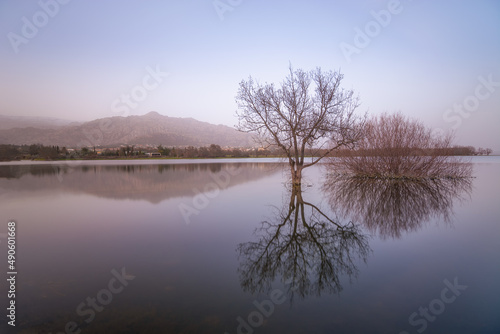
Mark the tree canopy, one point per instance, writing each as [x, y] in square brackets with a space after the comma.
[307, 110]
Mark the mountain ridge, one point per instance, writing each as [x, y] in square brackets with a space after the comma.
[151, 129]
[11, 122]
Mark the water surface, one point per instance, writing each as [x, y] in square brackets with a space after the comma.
[226, 246]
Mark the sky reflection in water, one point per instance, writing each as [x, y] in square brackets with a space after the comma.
[350, 250]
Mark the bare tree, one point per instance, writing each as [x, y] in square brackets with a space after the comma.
[308, 110]
[395, 146]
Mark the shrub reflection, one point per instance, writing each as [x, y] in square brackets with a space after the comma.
[391, 207]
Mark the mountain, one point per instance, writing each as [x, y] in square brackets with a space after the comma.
[150, 129]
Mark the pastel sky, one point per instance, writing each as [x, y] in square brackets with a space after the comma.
[438, 61]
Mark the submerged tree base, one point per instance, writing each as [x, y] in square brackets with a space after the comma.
[403, 167]
[402, 177]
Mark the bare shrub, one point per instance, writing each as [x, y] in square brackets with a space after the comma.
[395, 146]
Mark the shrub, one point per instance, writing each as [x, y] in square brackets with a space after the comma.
[394, 146]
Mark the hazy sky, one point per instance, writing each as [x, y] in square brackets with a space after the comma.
[80, 60]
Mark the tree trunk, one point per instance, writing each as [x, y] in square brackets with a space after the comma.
[296, 175]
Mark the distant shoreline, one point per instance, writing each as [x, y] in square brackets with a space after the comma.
[176, 159]
[140, 158]
[143, 161]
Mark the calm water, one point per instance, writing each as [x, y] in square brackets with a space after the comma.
[227, 247]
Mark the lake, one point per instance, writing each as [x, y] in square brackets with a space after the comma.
[226, 246]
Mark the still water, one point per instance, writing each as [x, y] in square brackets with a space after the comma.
[228, 247]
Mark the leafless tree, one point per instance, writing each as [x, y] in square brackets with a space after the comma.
[307, 110]
[395, 146]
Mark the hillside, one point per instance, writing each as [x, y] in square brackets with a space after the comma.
[150, 129]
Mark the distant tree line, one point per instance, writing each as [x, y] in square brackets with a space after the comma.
[212, 151]
[455, 150]
[35, 151]
[42, 152]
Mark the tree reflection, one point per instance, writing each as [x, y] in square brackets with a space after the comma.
[390, 207]
[303, 246]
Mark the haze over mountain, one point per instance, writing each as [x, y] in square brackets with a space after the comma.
[11, 122]
[150, 129]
